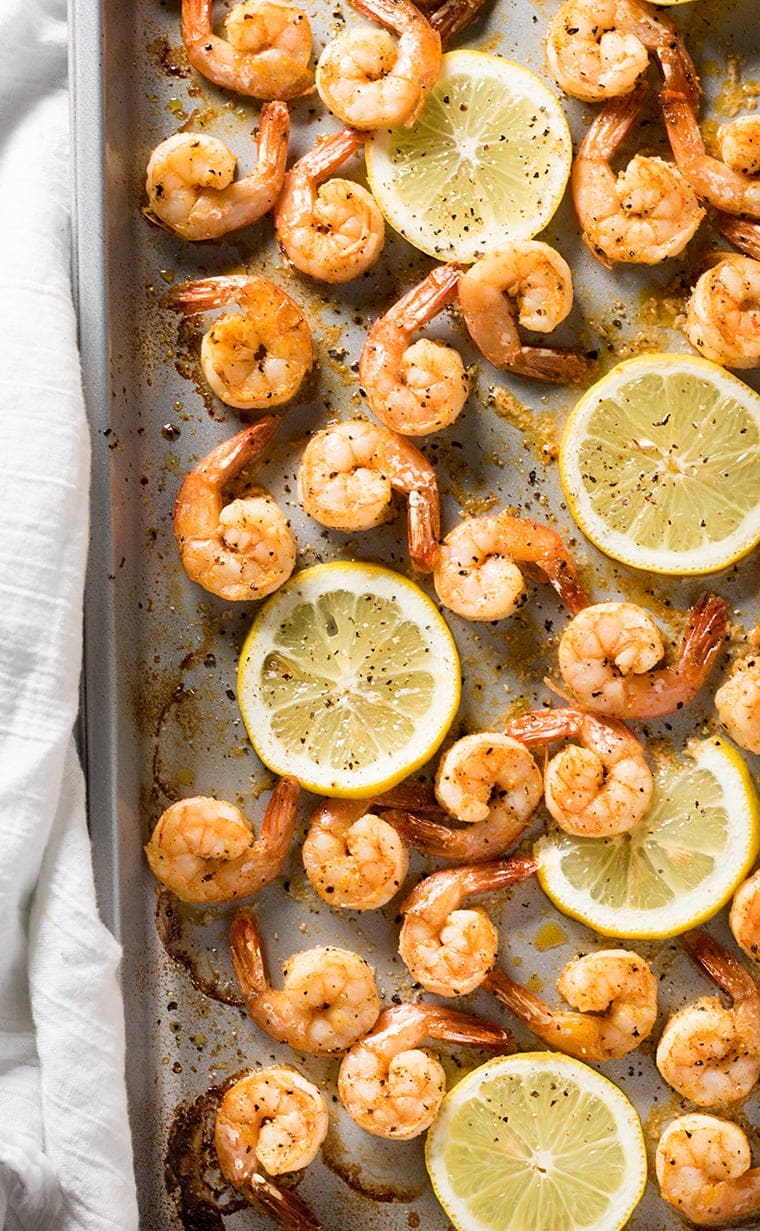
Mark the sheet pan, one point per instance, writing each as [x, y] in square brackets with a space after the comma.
[160, 719]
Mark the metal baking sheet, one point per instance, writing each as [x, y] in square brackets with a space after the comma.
[160, 719]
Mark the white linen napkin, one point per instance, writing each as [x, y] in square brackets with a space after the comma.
[65, 1151]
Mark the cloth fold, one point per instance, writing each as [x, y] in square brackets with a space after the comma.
[65, 1150]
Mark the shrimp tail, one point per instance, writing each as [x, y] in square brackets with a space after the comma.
[248, 953]
[411, 795]
[281, 1204]
[280, 819]
[523, 1003]
[552, 365]
[205, 294]
[450, 17]
[744, 233]
[497, 873]
[451, 1026]
[562, 576]
[721, 965]
[424, 527]
[705, 631]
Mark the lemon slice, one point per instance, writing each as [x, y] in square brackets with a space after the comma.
[677, 867]
[660, 462]
[349, 679]
[486, 161]
[536, 1142]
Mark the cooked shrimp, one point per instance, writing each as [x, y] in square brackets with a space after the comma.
[525, 281]
[393, 1087]
[349, 473]
[614, 993]
[609, 651]
[449, 950]
[727, 189]
[273, 1117]
[414, 387]
[602, 787]
[257, 357]
[277, 1119]
[334, 230]
[642, 215]
[265, 55]
[477, 572]
[451, 16]
[744, 916]
[723, 312]
[190, 179]
[703, 1170]
[204, 849]
[487, 780]
[353, 858]
[369, 78]
[328, 1000]
[598, 49]
[708, 1053]
[241, 550]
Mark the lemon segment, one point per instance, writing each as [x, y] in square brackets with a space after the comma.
[536, 1142]
[349, 679]
[660, 463]
[678, 865]
[487, 160]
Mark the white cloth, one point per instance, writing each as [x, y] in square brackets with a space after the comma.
[65, 1151]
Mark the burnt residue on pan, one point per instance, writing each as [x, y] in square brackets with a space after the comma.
[175, 922]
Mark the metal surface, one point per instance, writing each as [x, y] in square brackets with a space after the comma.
[160, 717]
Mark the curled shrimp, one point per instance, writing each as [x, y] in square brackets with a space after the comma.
[707, 1052]
[486, 780]
[276, 1119]
[371, 79]
[271, 1116]
[204, 849]
[393, 1087]
[241, 550]
[353, 857]
[647, 212]
[255, 358]
[744, 916]
[703, 1167]
[477, 573]
[598, 49]
[729, 190]
[614, 993]
[349, 474]
[265, 55]
[330, 229]
[602, 787]
[328, 999]
[448, 950]
[525, 281]
[723, 312]
[609, 651]
[414, 387]
[190, 179]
